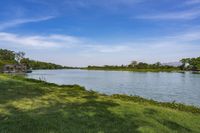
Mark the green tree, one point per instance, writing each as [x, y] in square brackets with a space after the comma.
[7, 55]
[195, 63]
[26, 62]
[158, 64]
[185, 63]
[191, 63]
[133, 64]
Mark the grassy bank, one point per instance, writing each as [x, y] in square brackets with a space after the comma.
[31, 106]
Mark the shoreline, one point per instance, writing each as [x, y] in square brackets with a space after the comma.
[134, 98]
[123, 96]
[138, 70]
[134, 70]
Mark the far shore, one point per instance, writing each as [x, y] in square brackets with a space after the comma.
[128, 70]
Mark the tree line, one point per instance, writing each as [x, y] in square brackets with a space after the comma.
[190, 64]
[137, 66]
[11, 57]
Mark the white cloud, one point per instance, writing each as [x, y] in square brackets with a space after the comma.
[65, 41]
[17, 22]
[48, 41]
[70, 50]
[60, 41]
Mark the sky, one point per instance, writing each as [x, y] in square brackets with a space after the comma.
[101, 32]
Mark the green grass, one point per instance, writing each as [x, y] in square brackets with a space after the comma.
[31, 106]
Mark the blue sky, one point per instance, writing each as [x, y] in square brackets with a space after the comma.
[99, 32]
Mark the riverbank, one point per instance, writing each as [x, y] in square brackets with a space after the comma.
[135, 70]
[28, 105]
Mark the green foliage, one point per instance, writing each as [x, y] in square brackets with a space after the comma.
[32, 106]
[191, 63]
[11, 57]
[40, 65]
[7, 55]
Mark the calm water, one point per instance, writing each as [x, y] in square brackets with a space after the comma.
[166, 87]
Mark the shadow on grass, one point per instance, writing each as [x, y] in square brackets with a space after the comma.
[89, 116]
[14, 90]
[149, 112]
[175, 126]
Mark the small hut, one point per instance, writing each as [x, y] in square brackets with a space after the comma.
[16, 68]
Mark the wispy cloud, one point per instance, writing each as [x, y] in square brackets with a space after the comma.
[79, 3]
[66, 41]
[190, 11]
[87, 51]
[191, 2]
[60, 41]
[186, 37]
[111, 5]
[16, 22]
[178, 15]
[49, 41]
[116, 48]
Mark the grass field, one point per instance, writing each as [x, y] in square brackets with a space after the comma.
[30, 106]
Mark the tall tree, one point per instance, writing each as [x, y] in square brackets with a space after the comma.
[19, 56]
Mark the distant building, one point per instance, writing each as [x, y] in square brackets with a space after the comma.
[16, 68]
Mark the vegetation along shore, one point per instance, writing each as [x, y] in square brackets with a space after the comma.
[186, 64]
